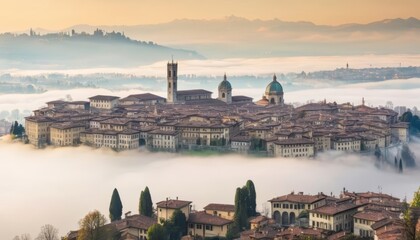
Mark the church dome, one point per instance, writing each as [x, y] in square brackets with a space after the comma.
[225, 85]
[274, 88]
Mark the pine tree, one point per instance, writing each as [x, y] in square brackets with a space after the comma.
[252, 199]
[115, 207]
[401, 166]
[146, 204]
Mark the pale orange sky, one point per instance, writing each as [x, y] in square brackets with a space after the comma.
[57, 14]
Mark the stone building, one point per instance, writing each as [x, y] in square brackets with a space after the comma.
[225, 91]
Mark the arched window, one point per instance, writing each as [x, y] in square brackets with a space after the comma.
[272, 101]
[223, 95]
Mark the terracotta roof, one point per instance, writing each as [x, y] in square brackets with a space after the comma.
[258, 219]
[205, 218]
[333, 209]
[135, 221]
[173, 204]
[371, 215]
[299, 231]
[298, 198]
[220, 207]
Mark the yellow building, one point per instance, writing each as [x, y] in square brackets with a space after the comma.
[225, 211]
[295, 147]
[121, 140]
[346, 143]
[364, 220]
[334, 216]
[37, 129]
[66, 134]
[103, 102]
[206, 225]
[163, 140]
[166, 208]
[287, 208]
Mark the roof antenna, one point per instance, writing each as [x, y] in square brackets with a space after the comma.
[172, 58]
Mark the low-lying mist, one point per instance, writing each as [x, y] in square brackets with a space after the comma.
[60, 185]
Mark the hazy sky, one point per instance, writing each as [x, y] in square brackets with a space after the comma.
[57, 14]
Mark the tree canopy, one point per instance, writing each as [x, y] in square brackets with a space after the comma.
[145, 203]
[91, 226]
[176, 227]
[156, 232]
[416, 199]
[17, 129]
[115, 207]
[252, 198]
[48, 232]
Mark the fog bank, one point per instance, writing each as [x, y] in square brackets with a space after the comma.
[60, 185]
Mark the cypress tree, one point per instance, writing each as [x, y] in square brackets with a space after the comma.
[146, 204]
[401, 166]
[252, 199]
[115, 207]
[240, 217]
[141, 203]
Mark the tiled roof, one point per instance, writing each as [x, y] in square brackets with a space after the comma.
[298, 198]
[204, 218]
[220, 207]
[173, 204]
[333, 209]
[104, 98]
[135, 221]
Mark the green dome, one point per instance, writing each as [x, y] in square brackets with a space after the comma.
[225, 84]
[274, 88]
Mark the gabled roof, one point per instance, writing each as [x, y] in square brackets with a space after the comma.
[173, 204]
[208, 219]
[220, 207]
[299, 198]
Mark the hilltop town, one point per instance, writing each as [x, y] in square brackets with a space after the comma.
[194, 120]
[351, 215]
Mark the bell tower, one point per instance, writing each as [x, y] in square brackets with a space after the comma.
[172, 79]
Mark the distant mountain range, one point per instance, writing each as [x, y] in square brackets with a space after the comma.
[229, 37]
[240, 37]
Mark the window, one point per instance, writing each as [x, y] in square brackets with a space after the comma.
[199, 226]
[209, 227]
